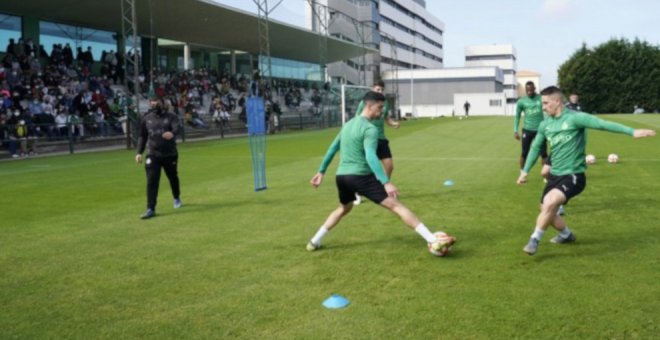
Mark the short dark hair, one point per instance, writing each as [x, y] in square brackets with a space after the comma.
[530, 83]
[373, 96]
[379, 83]
[551, 90]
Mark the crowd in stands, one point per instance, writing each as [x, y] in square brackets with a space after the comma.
[58, 96]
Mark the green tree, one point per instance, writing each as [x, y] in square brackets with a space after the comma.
[614, 76]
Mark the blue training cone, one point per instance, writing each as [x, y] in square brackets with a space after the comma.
[449, 183]
[335, 301]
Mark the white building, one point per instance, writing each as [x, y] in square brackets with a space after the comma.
[523, 76]
[502, 56]
[405, 33]
[443, 92]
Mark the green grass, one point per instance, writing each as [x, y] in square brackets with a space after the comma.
[76, 262]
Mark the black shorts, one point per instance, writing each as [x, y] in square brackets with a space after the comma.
[383, 150]
[571, 185]
[527, 139]
[365, 185]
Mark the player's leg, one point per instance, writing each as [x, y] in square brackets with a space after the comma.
[385, 156]
[330, 222]
[152, 166]
[572, 186]
[371, 188]
[346, 191]
[526, 142]
[170, 166]
[552, 199]
[412, 221]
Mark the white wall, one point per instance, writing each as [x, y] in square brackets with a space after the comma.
[420, 111]
[480, 104]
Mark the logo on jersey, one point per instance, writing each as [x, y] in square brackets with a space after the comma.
[564, 126]
[554, 140]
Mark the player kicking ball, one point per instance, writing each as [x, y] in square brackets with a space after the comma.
[565, 132]
[360, 172]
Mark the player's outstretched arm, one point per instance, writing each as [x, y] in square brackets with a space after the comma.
[641, 133]
[316, 180]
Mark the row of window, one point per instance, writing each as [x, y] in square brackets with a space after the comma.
[491, 57]
[409, 31]
[51, 33]
[412, 15]
[393, 62]
[410, 48]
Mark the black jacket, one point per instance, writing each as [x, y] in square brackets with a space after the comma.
[151, 134]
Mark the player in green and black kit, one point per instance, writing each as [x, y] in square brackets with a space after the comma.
[360, 172]
[531, 105]
[565, 131]
[383, 150]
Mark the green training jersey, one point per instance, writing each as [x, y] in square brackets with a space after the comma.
[533, 109]
[357, 140]
[378, 122]
[567, 137]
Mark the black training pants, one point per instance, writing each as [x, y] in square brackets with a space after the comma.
[153, 165]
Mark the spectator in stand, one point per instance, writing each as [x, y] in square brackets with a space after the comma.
[61, 121]
[100, 125]
[11, 47]
[6, 137]
[22, 133]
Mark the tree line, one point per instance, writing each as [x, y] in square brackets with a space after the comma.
[614, 77]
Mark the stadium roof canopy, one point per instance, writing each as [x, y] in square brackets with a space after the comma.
[198, 22]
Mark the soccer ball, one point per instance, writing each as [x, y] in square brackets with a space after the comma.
[613, 158]
[445, 250]
[591, 159]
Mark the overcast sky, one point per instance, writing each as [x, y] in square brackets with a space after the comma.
[544, 32]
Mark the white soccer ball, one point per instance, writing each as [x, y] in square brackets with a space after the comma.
[445, 250]
[591, 159]
[613, 158]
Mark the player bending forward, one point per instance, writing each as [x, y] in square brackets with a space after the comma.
[361, 172]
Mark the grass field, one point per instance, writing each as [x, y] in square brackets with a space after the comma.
[77, 262]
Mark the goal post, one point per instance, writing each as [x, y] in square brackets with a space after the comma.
[351, 95]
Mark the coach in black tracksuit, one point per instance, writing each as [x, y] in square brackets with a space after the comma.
[158, 132]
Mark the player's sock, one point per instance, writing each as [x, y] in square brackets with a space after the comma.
[538, 233]
[319, 235]
[423, 231]
[565, 233]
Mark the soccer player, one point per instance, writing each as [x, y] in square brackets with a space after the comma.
[565, 131]
[360, 172]
[531, 105]
[158, 131]
[383, 151]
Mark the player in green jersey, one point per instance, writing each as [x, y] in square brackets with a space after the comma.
[383, 150]
[360, 172]
[565, 132]
[531, 105]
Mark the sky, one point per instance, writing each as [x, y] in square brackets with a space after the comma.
[545, 33]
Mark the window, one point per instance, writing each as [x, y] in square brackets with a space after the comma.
[495, 102]
[77, 37]
[10, 28]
